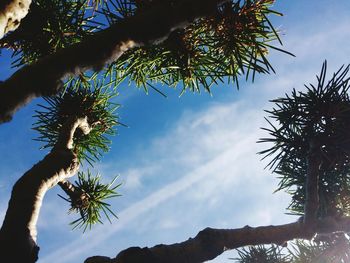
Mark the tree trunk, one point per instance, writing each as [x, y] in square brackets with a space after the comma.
[18, 232]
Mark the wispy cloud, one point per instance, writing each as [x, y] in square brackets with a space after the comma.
[217, 147]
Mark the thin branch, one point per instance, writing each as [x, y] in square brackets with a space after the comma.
[312, 179]
[66, 136]
[45, 77]
[210, 243]
[77, 198]
[68, 188]
[11, 14]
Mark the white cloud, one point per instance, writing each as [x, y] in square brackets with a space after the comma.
[133, 177]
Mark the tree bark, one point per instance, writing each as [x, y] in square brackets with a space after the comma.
[210, 243]
[45, 77]
[11, 14]
[18, 232]
[69, 189]
[311, 187]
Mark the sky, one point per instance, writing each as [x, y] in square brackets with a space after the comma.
[189, 162]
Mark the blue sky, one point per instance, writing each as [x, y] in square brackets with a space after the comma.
[186, 163]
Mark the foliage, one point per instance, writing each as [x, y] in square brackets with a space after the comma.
[233, 42]
[83, 97]
[326, 249]
[321, 114]
[261, 254]
[48, 27]
[335, 249]
[80, 100]
[91, 200]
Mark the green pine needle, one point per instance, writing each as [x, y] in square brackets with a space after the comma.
[95, 206]
[321, 112]
[261, 254]
[220, 48]
[48, 27]
[81, 99]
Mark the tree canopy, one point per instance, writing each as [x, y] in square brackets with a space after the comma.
[76, 53]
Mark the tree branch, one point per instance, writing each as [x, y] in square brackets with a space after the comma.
[18, 232]
[45, 77]
[311, 187]
[78, 198]
[69, 189]
[210, 243]
[66, 136]
[11, 13]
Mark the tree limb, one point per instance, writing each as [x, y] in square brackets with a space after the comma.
[210, 243]
[11, 13]
[78, 198]
[68, 188]
[311, 188]
[45, 77]
[18, 232]
[66, 136]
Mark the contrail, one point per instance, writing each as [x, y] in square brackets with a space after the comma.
[74, 249]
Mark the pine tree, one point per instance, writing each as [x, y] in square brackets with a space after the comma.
[154, 44]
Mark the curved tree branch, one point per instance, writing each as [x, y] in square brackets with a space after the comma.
[18, 232]
[210, 243]
[66, 136]
[45, 77]
[68, 188]
[11, 13]
[78, 198]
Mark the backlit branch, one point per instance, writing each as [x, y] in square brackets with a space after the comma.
[18, 232]
[210, 243]
[45, 77]
[66, 136]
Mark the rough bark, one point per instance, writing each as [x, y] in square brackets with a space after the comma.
[78, 198]
[18, 232]
[45, 77]
[11, 13]
[210, 243]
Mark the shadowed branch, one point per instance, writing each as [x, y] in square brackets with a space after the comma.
[45, 77]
